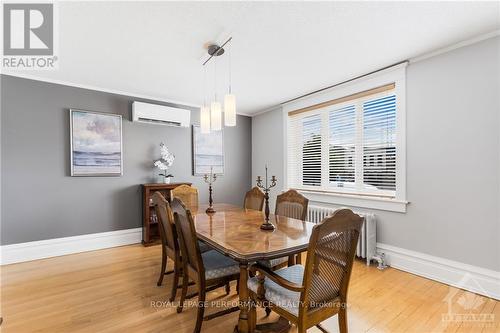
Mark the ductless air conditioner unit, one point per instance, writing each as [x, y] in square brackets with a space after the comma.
[160, 114]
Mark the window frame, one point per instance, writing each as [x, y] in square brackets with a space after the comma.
[378, 200]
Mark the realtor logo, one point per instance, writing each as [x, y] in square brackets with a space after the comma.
[465, 307]
[28, 29]
[28, 36]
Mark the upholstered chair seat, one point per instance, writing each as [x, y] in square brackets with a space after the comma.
[204, 247]
[218, 265]
[286, 299]
[273, 262]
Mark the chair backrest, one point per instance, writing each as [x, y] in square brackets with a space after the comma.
[165, 221]
[254, 199]
[292, 204]
[187, 194]
[190, 250]
[329, 259]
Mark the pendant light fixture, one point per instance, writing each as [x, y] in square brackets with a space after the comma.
[216, 116]
[205, 119]
[229, 102]
[205, 109]
[215, 108]
[211, 117]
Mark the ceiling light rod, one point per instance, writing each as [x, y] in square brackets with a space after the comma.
[215, 50]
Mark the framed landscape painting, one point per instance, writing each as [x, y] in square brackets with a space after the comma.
[96, 143]
[208, 152]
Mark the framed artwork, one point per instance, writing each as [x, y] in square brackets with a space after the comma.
[208, 152]
[96, 143]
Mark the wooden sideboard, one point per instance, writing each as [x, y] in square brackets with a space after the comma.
[150, 232]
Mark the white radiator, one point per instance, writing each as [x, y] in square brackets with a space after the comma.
[367, 244]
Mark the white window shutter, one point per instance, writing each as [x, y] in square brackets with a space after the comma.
[379, 143]
[348, 147]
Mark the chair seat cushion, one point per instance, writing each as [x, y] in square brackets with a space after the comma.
[282, 297]
[218, 265]
[273, 262]
[204, 247]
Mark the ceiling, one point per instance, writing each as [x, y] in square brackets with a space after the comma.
[280, 50]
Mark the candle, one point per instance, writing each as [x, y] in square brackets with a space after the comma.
[266, 175]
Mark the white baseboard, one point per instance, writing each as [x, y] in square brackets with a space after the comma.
[476, 279]
[14, 253]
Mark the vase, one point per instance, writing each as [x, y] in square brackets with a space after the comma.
[166, 180]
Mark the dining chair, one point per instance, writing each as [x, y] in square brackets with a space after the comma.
[170, 245]
[308, 295]
[294, 205]
[209, 270]
[254, 199]
[187, 194]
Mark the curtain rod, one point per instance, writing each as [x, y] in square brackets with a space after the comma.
[343, 82]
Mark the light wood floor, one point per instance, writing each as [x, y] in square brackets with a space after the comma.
[113, 290]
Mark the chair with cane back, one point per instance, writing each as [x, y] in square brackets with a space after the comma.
[307, 295]
[254, 199]
[209, 270]
[169, 240]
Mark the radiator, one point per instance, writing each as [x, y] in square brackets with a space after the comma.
[367, 243]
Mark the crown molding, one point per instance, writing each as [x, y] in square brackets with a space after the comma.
[455, 46]
[100, 89]
[109, 91]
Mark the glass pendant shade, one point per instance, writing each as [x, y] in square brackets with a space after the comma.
[230, 110]
[216, 115]
[205, 119]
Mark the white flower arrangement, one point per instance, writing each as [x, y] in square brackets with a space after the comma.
[166, 160]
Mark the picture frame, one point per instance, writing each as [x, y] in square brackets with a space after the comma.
[208, 152]
[96, 144]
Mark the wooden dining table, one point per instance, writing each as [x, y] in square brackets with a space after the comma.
[235, 232]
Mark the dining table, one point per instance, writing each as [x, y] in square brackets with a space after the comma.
[235, 232]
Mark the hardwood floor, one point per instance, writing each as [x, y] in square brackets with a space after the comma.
[114, 290]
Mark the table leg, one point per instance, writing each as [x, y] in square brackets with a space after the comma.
[247, 318]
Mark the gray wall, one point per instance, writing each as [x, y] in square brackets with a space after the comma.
[453, 157]
[267, 148]
[39, 198]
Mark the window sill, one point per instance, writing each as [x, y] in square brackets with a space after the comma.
[380, 203]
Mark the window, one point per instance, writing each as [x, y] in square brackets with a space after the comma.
[379, 143]
[348, 145]
[342, 146]
[311, 150]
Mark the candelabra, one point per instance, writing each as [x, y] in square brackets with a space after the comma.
[266, 188]
[210, 179]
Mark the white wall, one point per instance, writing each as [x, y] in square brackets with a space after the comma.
[453, 157]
